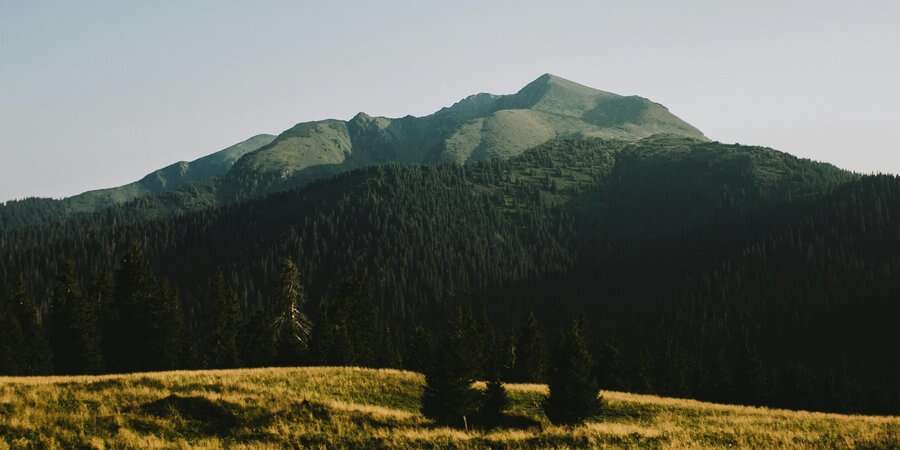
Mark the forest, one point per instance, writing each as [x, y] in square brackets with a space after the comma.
[703, 270]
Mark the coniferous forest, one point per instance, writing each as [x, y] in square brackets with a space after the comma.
[718, 272]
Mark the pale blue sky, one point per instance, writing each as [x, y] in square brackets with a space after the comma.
[97, 93]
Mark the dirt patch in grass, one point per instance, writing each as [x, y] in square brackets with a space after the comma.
[204, 415]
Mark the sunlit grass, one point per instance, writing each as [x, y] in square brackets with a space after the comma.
[365, 408]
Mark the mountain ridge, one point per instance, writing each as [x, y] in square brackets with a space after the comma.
[476, 128]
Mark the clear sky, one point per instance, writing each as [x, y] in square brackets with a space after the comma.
[98, 93]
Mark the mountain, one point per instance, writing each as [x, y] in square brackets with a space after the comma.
[172, 177]
[169, 178]
[722, 272]
[477, 128]
[715, 271]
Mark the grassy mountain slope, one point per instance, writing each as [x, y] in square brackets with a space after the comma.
[479, 127]
[182, 174]
[364, 408]
[168, 178]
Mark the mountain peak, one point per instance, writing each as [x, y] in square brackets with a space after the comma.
[549, 80]
[554, 94]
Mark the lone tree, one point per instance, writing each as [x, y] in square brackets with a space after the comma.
[449, 398]
[574, 395]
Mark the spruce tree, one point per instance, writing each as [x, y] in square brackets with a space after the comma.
[417, 350]
[362, 322]
[749, 380]
[608, 369]
[167, 329]
[222, 325]
[330, 342]
[493, 403]
[75, 339]
[574, 395]
[495, 399]
[11, 342]
[127, 334]
[35, 355]
[529, 353]
[387, 355]
[290, 324]
[256, 341]
[449, 398]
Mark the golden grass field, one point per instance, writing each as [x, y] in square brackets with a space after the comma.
[365, 408]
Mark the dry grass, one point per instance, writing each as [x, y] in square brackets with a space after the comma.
[363, 408]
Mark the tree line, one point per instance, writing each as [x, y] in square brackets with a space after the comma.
[715, 272]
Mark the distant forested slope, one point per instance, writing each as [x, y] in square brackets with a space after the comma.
[717, 271]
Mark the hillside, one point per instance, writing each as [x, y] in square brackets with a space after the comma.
[366, 408]
[658, 243]
[478, 128]
[19, 213]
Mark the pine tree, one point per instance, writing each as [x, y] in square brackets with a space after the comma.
[75, 339]
[222, 325]
[167, 329]
[11, 341]
[417, 350]
[607, 368]
[256, 341]
[291, 327]
[495, 399]
[574, 395]
[35, 355]
[387, 355]
[362, 323]
[748, 375]
[449, 398]
[494, 402]
[127, 333]
[529, 353]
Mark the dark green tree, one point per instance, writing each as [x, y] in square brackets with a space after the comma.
[222, 325]
[11, 341]
[749, 379]
[74, 322]
[530, 358]
[256, 341]
[127, 334]
[417, 350]
[291, 326]
[387, 354]
[574, 395]
[449, 398]
[166, 345]
[495, 398]
[608, 367]
[35, 355]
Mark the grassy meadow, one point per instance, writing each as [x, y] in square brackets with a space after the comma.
[365, 408]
